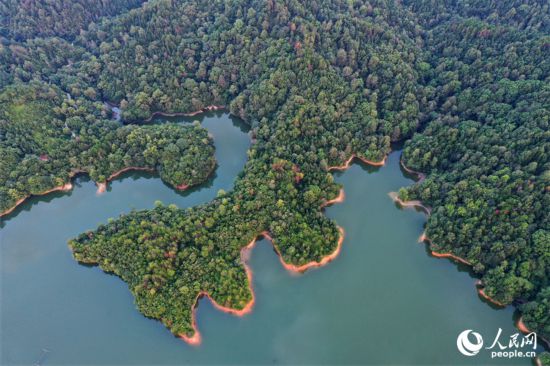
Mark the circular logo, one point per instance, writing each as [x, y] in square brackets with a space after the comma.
[466, 347]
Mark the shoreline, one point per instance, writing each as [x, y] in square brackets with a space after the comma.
[419, 175]
[451, 256]
[424, 238]
[413, 203]
[102, 186]
[482, 294]
[309, 265]
[63, 188]
[338, 199]
[196, 338]
[348, 162]
[209, 108]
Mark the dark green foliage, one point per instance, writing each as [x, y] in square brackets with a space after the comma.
[310, 106]
[537, 311]
[45, 139]
[318, 83]
[486, 150]
[23, 19]
[544, 358]
[526, 15]
[164, 269]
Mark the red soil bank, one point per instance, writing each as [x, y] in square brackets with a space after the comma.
[413, 203]
[420, 176]
[102, 186]
[424, 239]
[196, 339]
[523, 328]
[452, 256]
[339, 199]
[65, 187]
[482, 293]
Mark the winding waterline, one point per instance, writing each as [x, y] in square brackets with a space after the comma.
[383, 300]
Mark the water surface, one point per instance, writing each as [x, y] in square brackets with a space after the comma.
[384, 300]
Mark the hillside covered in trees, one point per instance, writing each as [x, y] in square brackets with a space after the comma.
[464, 83]
[48, 138]
[27, 19]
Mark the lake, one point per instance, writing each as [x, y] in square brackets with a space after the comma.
[384, 300]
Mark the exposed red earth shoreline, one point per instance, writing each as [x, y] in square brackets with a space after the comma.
[196, 338]
[523, 328]
[102, 186]
[419, 176]
[185, 114]
[481, 292]
[424, 239]
[413, 203]
[348, 162]
[63, 188]
[428, 210]
[451, 256]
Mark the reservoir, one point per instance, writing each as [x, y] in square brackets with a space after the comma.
[384, 300]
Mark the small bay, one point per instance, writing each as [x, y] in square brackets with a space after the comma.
[384, 300]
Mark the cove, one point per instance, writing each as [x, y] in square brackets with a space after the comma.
[383, 300]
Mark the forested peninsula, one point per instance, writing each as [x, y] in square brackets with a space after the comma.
[46, 140]
[465, 85]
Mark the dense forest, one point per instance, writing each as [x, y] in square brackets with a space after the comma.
[485, 147]
[47, 138]
[464, 83]
[24, 19]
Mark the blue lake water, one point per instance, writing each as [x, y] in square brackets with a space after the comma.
[384, 300]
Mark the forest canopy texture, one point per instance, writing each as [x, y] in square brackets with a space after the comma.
[466, 85]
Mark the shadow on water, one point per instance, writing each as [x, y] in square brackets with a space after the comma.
[237, 122]
[32, 201]
[80, 178]
[36, 263]
[134, 176]
[383, 300]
